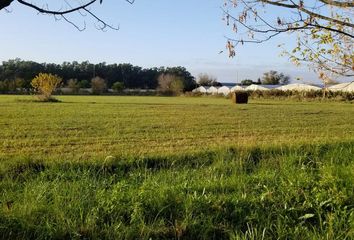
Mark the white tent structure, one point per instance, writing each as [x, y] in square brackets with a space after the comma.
[298, 87]
[343, 87]
[224, 90]
[200, 89]
[236, 88]
[212, 90]
[254, 87]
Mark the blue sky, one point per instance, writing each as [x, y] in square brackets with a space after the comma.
[152, 33]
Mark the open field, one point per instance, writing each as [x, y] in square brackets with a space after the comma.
[82, 128]
[158, 167]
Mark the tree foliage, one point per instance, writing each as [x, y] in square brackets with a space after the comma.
[74, 85]
[247, 82]
[12, 86]
[45, 84]
[118, 86]
[186, 77]
[324, 28]
[98, 85]
[274, 78]
[133, 77]
[170, 84]
[205, 79]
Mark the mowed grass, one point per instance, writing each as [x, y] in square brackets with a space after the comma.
[81, 128]
[175, 168]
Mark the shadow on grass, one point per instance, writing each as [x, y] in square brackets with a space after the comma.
[50, 100]
[77, 200]
[248, 160]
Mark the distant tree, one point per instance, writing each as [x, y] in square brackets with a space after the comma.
[74, 85]
[16, 68]
[118, 86]
[148, 78]
[11, 85]
[177, 86]
[275, 78]
[3, 87]
[15, 85]
[45, 84]
[84, 84]
[247, 82]
[131, 76]
[186, 77]
[7, 86]
[98, 85]
[170, 84]
[205, 79]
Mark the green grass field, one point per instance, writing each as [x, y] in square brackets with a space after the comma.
[175, 167]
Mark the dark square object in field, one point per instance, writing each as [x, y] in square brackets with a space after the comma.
[240, 97]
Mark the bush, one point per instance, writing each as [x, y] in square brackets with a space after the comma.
[84, 84]
[3, 87]
[194, 94]
[247, 82]
[74, 85]
[170, 85]
[45, 84]
[205, 79]
[302, 95]
[98, 85]
[295, 95]
[274, 78]
[118, 86]
[12, 86]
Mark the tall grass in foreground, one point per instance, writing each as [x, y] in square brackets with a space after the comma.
[178, 168]
[302, 192]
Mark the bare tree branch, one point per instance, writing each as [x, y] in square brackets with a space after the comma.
[325, 36]
[105, 25]
[5, 3]
[42, 10]
[73, 24]
[63, 13]
[344, 4]
[310, 13]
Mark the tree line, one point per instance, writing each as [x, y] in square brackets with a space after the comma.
[17, 74]
[269, 78]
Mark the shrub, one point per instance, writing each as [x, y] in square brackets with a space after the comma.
[169, 84]
[3, 87]
[194, 94]
[84, 84]
[74, 85]
[12, 86]
[205, 79]
[118, 86]
[177, 86]
[293, 94]
[302, 95]
[274, 78]
[247, 82]
[98, 85]
[19, 84]
[45, 84]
